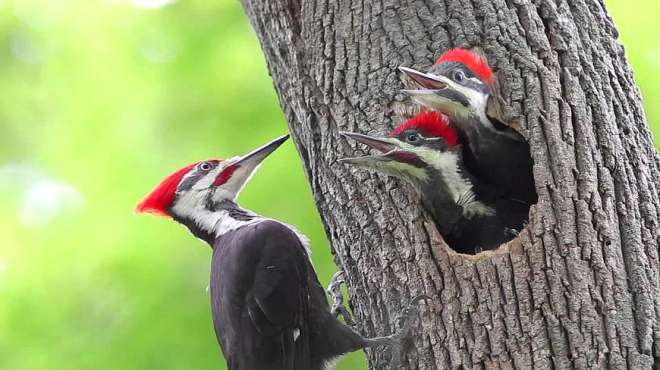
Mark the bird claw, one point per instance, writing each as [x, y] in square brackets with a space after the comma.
[334, 291]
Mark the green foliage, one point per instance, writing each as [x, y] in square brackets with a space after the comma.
[101, 99]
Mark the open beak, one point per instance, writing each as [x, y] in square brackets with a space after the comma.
[389, 150]
[435, 92]
[425, 80]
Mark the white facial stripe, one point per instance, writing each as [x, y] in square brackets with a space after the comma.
[206, 181]
[478, 108]
[220, 222]
[476, 98]
[458, 186]
[186, 176]
[191, 205]
[476, 80]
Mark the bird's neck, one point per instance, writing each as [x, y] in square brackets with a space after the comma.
[451, 196]
[220, 218]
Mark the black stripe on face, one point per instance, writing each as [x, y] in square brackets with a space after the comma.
[199, 171]
[454, 96]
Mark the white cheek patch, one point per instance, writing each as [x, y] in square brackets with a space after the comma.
[189, 201]
[474, 79]
[190, 205]
[477, 100]
[206, 181]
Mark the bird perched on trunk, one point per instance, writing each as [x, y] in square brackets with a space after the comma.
[425, 151]
[269, 310]
[460, 85]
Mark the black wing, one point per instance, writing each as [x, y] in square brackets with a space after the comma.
[259, 285]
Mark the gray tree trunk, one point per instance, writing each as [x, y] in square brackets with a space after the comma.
[579, 287]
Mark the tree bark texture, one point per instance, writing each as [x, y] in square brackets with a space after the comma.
[578, 289]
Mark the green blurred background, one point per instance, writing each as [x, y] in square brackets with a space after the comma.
[99, 100]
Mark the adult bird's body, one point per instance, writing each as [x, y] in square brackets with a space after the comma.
[269, 309]
[460, 85]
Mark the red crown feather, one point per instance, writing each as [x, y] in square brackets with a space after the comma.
[161, 198]
[475, 62]
[431, 124]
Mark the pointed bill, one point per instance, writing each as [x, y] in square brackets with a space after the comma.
[238, 172]
[426, 80]
[255, 157]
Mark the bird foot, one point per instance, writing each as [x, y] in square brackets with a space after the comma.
[397, 341]
[334, 291]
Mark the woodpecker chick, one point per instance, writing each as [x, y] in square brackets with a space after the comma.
[269, 309]
[460, 85]
[426, 152]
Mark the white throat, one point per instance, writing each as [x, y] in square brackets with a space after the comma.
[221, 222]
[459, 187]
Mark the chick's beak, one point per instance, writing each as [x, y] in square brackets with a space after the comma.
[426, 81]
[389, 150]
[434, 91]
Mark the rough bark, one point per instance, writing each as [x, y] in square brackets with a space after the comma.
[579, 287]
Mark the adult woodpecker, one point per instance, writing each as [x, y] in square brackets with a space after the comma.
[269, 309]
[460, 85]
[425, 151]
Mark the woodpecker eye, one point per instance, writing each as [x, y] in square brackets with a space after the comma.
[459, 76]
[412, 138]
[205, 166]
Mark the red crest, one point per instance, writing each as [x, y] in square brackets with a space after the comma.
[161, 198]
[430, 124]
[475, 62]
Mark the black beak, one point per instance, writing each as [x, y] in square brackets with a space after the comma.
[255, 157]
[425, 80]
[390, 149]
[383, 145]
[436, 92]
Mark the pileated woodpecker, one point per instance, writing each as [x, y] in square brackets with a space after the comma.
[426, 152]
[460, 85]
[269, 309]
